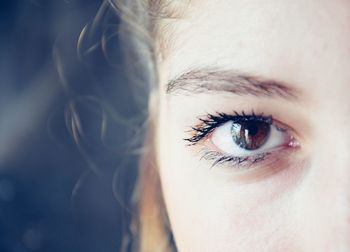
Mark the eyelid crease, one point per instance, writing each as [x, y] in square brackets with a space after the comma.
[209, 80]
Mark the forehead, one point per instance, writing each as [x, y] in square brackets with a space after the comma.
[279, 38]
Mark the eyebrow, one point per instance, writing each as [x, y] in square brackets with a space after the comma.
[209, 80]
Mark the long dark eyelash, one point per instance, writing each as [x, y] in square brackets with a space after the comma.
[218, 159]
[210, 122]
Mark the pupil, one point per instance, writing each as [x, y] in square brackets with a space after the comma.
[252, 130]
[250, 135]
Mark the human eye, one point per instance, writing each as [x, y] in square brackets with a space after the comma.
[242, 140]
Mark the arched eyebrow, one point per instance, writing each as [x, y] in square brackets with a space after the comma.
[209, 80]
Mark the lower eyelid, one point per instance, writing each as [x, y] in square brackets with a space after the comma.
[246, 160]
[239, 162]
[274, 163]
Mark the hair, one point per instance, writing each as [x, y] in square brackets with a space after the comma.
[144, 35]
[142, 22]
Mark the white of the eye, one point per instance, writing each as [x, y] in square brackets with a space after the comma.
[222, 139]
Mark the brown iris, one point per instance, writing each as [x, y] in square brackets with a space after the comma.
[250, 135]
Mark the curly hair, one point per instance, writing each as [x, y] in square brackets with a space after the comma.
[145, 30]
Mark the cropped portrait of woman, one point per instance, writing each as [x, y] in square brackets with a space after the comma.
[247, 144]
[175, 126]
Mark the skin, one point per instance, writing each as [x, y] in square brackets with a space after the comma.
[298, 200]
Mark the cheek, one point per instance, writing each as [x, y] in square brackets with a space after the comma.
[209, 211]
[206, 216]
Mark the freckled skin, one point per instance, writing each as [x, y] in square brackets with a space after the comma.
[296, 202]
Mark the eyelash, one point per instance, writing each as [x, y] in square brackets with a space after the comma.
[242, 162]
[211, 122]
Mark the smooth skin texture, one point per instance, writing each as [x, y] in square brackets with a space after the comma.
[298, 200]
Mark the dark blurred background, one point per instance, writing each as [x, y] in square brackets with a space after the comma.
[64, 121]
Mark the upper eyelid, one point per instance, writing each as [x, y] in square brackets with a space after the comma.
[215, 121]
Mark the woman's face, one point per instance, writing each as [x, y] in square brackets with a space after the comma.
[253, 134]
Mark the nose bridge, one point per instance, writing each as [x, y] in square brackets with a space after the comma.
[326, 191]
[334, 153]
[337, 139]
[333, 120]
[340, 158]
[329, 183]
